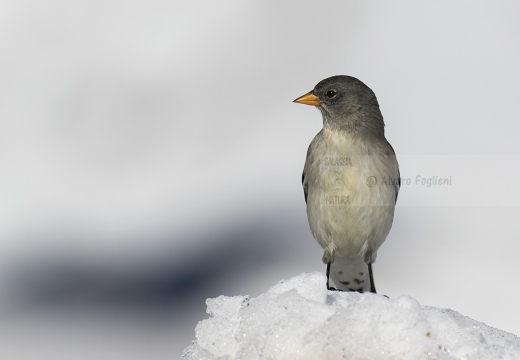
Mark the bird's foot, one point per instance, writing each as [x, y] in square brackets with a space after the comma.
[332, 288]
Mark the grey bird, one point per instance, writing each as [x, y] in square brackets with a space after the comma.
[350, 181]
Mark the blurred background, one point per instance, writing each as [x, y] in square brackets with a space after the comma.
[151, 157]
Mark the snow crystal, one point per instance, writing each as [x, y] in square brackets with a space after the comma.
[299, 319]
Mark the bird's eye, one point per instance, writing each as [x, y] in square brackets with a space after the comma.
[330, 94]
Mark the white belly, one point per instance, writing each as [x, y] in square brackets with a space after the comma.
[351, 195]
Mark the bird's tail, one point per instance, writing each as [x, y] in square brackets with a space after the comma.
[351, 274]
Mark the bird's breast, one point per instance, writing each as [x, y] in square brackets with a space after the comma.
[352, 185]
[343, 169]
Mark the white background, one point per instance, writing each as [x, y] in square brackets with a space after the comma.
[151, 157]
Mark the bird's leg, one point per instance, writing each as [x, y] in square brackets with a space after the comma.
[327, 259]
[372, 285]
[328, 273]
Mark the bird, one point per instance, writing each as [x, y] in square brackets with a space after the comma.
[350, 181]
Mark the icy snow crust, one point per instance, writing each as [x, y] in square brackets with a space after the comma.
[299, 319]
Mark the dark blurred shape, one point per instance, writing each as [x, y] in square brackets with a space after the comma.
[156, 278]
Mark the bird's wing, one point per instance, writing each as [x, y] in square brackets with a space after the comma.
[305, 186]
[305, 180]
[398, 186]
[398, 183]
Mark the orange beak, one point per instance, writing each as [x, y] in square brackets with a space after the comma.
[308, 99]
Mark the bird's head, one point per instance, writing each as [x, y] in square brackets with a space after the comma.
[345, 102]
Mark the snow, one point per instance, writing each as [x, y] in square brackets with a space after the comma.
[299, 319]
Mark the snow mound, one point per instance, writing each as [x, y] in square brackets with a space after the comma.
[299, 319]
